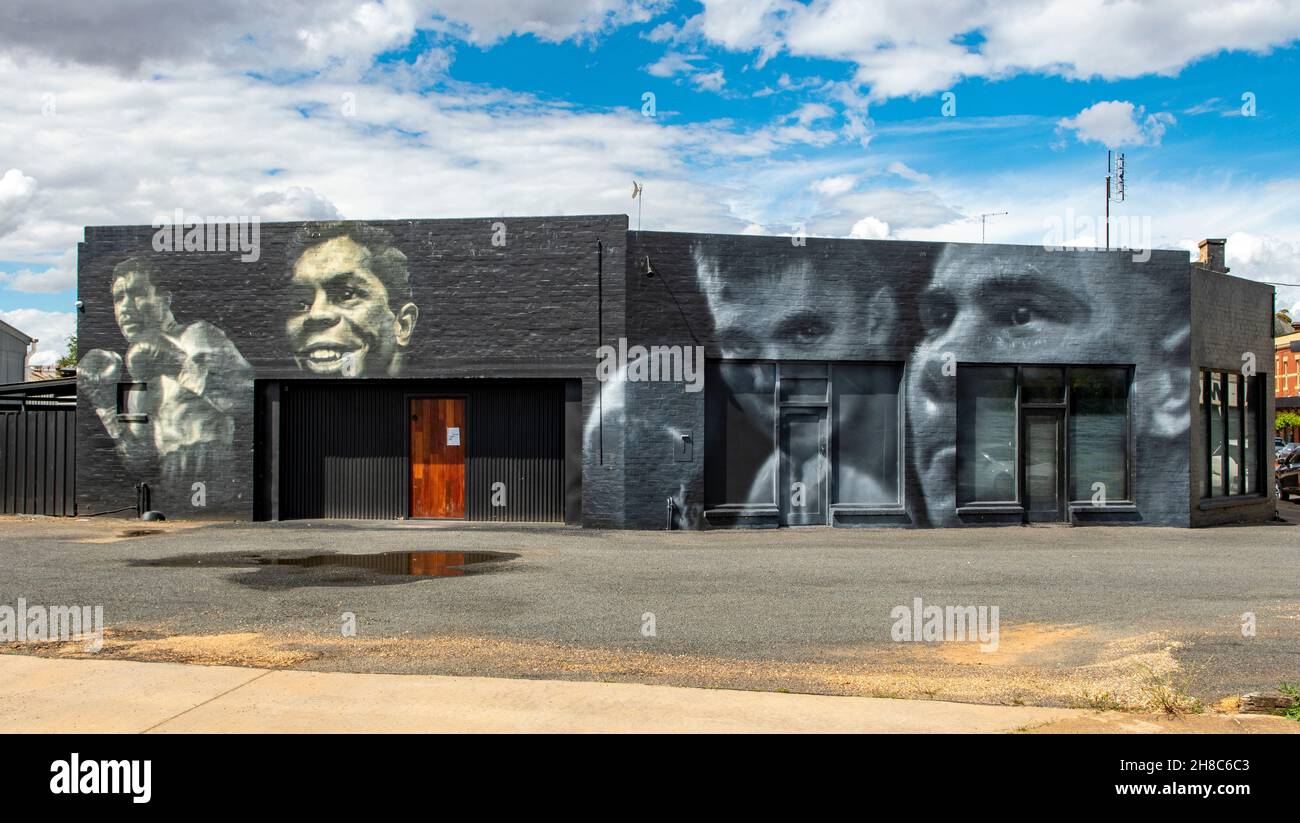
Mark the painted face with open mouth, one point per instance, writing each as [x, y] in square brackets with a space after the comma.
[340, 323]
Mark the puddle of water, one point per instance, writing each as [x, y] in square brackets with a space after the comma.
[410, 564]
[137, 532]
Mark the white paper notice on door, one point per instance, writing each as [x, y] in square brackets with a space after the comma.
[453, 435]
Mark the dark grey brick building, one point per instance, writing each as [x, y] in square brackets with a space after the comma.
[566, 369]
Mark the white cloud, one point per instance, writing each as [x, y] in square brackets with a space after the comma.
[869, 228]
[709, 80]
[214, 142]
[1117, 123]
[673, 64]
[912, 47]
[907, 172]
[50, 328]
[59, 277]
[293, 203]
[289, 34]
[485, 21]
[810, 113]
[16, 192]
[834, 186]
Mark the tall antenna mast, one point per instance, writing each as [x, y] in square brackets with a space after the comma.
[983, 220]
[1115, 171]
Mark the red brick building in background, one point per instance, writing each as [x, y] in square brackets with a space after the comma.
[1286, 383]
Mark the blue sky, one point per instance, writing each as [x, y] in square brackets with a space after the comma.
[771, 116]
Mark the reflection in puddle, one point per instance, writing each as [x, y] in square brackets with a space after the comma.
[411, 564]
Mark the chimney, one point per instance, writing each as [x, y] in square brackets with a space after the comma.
[1213, 254]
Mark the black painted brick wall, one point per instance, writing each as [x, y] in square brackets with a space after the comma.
[527, 309]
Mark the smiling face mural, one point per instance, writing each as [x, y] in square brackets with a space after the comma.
[349, 296]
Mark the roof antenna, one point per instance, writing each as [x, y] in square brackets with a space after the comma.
[637, 188]
[984, 219]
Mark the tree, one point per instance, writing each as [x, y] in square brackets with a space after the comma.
[1284, 420]
[69, 358]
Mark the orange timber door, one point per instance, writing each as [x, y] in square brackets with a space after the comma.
[438, 457]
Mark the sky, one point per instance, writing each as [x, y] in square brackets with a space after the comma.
[894, 119]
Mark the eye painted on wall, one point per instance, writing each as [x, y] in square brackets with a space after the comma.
[300, 300]
[1026, 304]
[805, 327]
[346, 289]
[938, 310]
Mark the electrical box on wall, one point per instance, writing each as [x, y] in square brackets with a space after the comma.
[683, 447]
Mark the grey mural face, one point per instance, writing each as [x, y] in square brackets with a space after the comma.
[984, 306]
[994, 309]
[181, 382]
[785, 305]
[142, 311]
[341, 321]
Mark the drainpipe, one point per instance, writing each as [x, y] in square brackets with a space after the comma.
[668, 526]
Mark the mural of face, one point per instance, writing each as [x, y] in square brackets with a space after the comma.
[142, 312]
[791, 306]
[1007, 310]
[341, 323]
[787, 310]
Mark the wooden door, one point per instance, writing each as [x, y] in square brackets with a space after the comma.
[438, 457]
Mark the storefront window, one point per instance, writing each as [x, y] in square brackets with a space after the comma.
[865, 416]
[1231, 408]
[986, 434]
[741, 413]
[1218, 449]
[1250, 435]
[1098, 433]
[860, 456]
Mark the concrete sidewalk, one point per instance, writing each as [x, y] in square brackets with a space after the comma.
[48, 695]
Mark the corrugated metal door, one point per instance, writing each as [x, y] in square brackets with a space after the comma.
[343, 452]
[344, 449]
[38, 462]
[516, 454]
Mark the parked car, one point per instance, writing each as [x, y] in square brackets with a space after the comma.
[1286, 476]
[1286, 451]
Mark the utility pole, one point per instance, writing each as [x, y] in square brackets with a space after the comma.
[983, 221]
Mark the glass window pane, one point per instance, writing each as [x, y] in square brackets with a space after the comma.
[1041, 385]
[1234, 435]
[740, 401]
[1251, 435]
[1098, 437]
[986, 434]
[803, 382]
[865, 412]
[1204, 403]
[1217, 447]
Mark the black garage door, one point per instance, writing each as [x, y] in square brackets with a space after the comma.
[343, 449]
